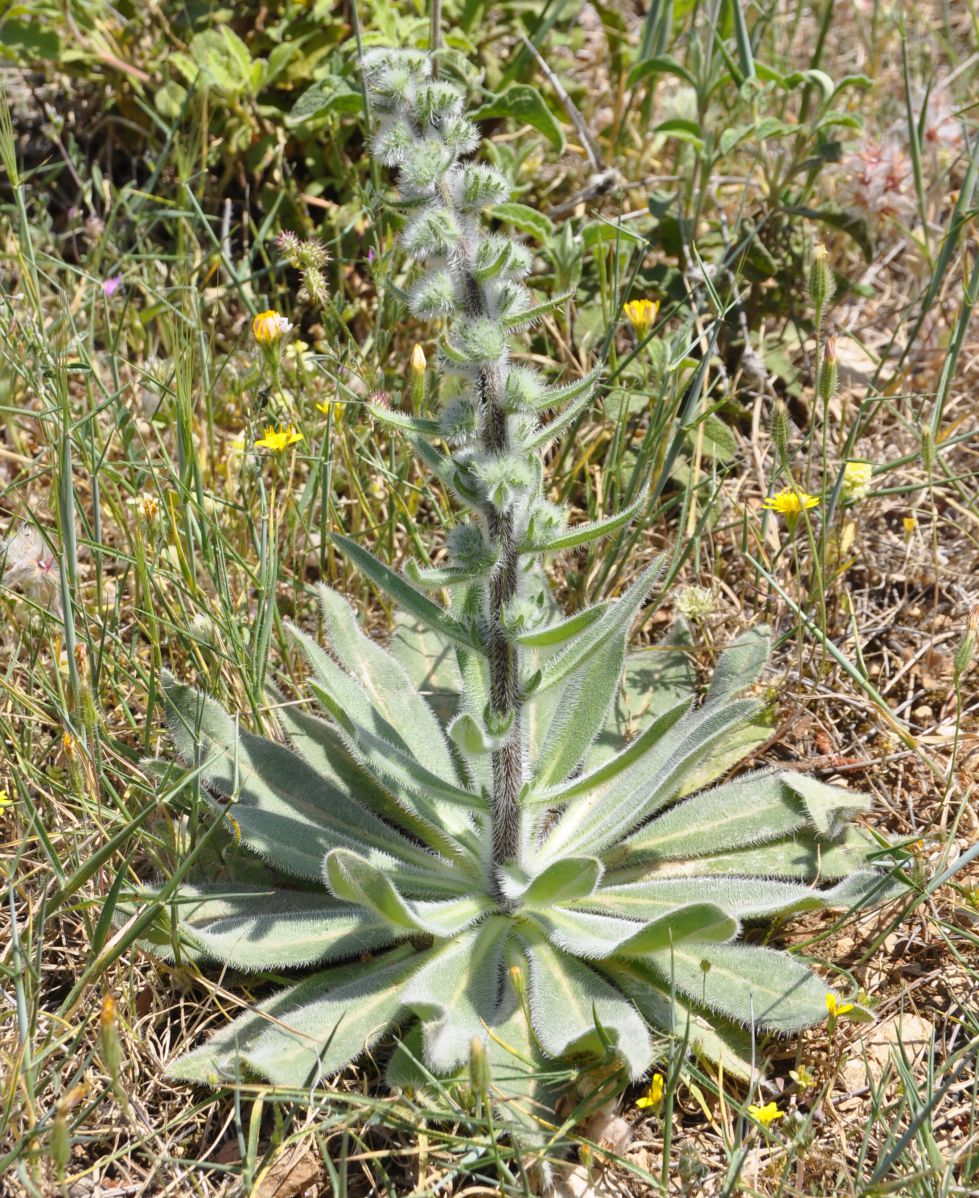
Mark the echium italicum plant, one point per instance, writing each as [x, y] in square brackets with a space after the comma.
[470, 842]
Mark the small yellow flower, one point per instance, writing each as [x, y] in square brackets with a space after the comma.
[803, 1077]
[418, 362]
[654, 1095]
[108, 1014]
[5, 800]
[857, 476]
[335, 406]
[767, 1114]
[790, 503]
[278, 439]
[270, 327]
[910, 524]
[641, 314]
[836, 1008]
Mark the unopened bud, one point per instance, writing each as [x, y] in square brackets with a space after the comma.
[780, 428]
[829, 374]
[927, 448]
[966, 651]
[417, 378]
[109, 1036]
[517, 982]
[821, 281]
[479, 1072]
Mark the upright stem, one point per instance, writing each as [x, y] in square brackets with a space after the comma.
[502, 655]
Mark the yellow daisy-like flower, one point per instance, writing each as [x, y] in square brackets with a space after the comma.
[335, 406]
[790, 503]
[857, 476]
[641, 314]
[837, 1008]
[270, 327]
[767, 1114]
[654, 1095]
[277, 440]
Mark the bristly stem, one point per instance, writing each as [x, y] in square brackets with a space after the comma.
[501, 649]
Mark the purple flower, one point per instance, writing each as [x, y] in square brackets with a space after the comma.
[370, 254]
[111, 286]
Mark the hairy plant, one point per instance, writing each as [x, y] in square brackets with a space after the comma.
[500, 830]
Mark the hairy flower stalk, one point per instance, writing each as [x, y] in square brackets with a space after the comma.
[501, 838]
[423, 132]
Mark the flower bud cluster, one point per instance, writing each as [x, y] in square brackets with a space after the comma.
[472, 279]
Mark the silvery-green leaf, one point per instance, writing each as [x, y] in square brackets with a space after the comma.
[798, 856]
[387, 685]
[322, 746]
[457, 993]
[561, 882]
[596, 936]
[715, 1039]
[724, 756]
[743, 898]
[655, 680]
[613, 624]
[430, 663]
[566, 1000]
[305, 1034]
[740, 664]
[254, 927]
[752, 985]
[353, 879]
[586, 696]
[285, 811]
[419, 605]
[830, 808]
[749, 810]
[651, 781]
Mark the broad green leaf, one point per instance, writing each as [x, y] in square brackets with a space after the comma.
[457, 992]
[285, 811]
[596, 936]
[562, 882]
[525, 105]
[302, 1036]
[658, 66]
[332, 94]
[353, 879]
[682, 130]
[257, 928]
[566, 1000]
[752, 985]
[740, 665]
[528, 220]
[387, 685]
